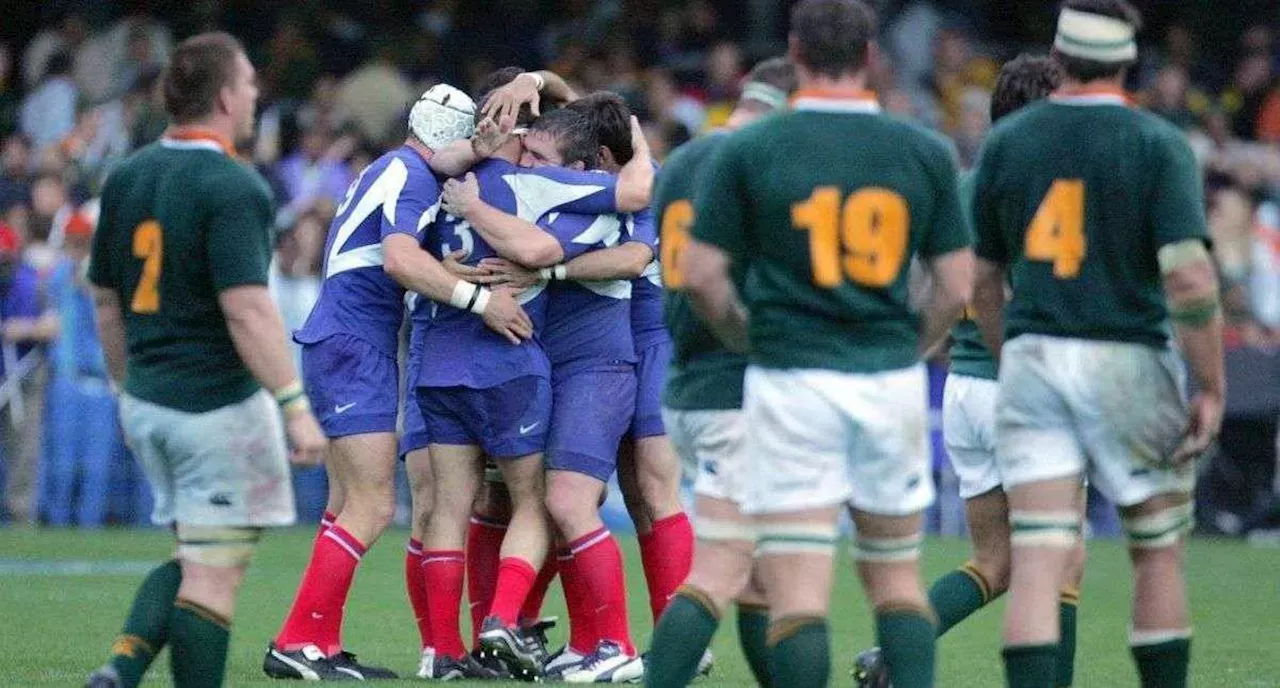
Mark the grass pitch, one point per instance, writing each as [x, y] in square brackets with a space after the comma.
[63, 595]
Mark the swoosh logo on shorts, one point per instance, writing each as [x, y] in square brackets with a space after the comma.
[525, 429]
[343, 408]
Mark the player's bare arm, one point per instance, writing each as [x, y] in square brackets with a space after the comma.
[714, 298]
[42, 328]
[512, 237]
[635, 179]
[951, 278]
[414, 269]
[111, 331]
[988, 304]
[625, 262]
[1191, 291]
[457, 158]
[258, 335]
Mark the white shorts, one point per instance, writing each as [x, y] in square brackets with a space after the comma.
[821, 438]
[969, 431]
[709, 444]
[225, 467]
[1113, 411]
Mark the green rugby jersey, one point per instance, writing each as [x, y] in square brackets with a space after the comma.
[1075, 195]
[181, 221]
[824, 206]
[703, 374]
[969, 355]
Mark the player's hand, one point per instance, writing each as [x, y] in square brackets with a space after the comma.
[488, 138]
[461, 196]
[503, 105]
[500, 271]
[471, 273]
[504, 316]
[1203, 425]
[306, 440]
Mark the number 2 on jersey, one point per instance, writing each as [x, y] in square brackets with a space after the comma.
[1056, 233]
[677, 220]
[872, 228]
[148, 244]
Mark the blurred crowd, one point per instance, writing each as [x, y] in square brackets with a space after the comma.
[79, 92]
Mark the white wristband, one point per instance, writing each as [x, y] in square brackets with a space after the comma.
[464, 294]
[553, 273]
[538, 80]
[482, 301]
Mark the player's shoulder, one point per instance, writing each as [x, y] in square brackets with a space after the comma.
[695, 149]
[1160, 132]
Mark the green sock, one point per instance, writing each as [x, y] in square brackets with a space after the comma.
[1068, 605]
[683, 633]
[147, 628]
[198, 645]
[1030, 666]
[957, 595]
[753, 635]
[907, 639]
[1163, 665]
[800, 655]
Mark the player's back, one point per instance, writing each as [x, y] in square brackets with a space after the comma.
[357, 297]
[1076, 194]
[836, 198]
[181, 220]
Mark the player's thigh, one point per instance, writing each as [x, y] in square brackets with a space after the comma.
[354, 387]
[887, 552]
[890, 462]
[725, 555]
[1036, 431]
[229, 465]
[969, 432]
[651, 375]
[1133, 413]
[366, 462]
[711, 445]
[516, 417]
[591, 411]
[524, 476]
[796, 446]
[141, 425]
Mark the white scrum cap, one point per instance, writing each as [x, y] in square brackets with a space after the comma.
[441, 116]
[1095, 37]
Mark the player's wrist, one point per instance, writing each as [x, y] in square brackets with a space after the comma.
[470, 297]
[539, 82]
[292, 399]
[555, 273]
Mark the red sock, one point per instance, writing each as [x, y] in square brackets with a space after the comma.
[416, 585]
[532, 609]
[515, 578]
[667, 555]
[316, 616]
[484, 549]
[326, 522]
[582, 622]
[597, 559]
[443, 571]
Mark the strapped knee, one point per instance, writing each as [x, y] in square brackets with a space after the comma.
[796, 538]
[217, 545]
[1055, 529]
[721, 530]
[1164, 528]
[887, 550]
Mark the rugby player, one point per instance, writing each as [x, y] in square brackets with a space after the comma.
[349, 364]
[824, 209]
[702, 409]
[1095, 210]
[179, 264]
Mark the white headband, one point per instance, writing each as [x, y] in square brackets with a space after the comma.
[1095, 37]
[772, 96]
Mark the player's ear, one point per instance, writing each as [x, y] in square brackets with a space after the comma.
[606, 158]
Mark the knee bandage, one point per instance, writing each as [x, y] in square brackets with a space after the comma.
[887, 550]
[1055, 529]
[1162, 529]
[796, 538]
[217, 546]
[719, 530]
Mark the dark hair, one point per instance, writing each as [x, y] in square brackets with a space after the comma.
[833, 36]
[1083, 69]
[58, 64]
[497, 79]
[1022, 80]
[574, 135]
[777, 72]
[610, 120]
[199, 69]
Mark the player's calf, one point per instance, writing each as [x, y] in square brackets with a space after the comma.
[887, 552]
[1160, 639]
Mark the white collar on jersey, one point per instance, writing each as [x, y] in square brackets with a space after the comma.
[851, 101]
[1091, 96]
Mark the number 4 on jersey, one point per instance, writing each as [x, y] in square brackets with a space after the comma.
[1056, 233]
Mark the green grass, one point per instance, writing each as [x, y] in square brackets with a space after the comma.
[57, 628]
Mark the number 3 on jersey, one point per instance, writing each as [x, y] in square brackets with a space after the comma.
[1056, 233]
[148, 244]
[677, 220]
[872, 228]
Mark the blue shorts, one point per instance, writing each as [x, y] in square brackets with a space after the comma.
[591, 412]
[651, 374]
[354, 387]
[413, 429]
[507, 421]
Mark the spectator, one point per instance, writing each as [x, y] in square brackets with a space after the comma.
[376, 95]
[64, 38]
[956, 71]
[15, 172]
[1269, 118]
[1171, 97]
[675, 114]
[294, 280]
[315, 172]
[50, 210]
[1243, 100]
[8, 93]
[291, 63]
[49, 111]
[82, 436]
[723, 76]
